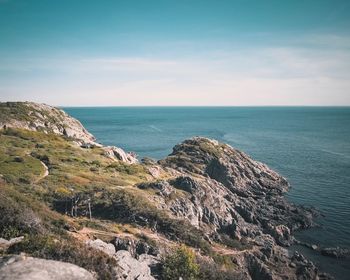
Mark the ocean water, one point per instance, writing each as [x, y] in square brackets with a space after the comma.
[310, 146]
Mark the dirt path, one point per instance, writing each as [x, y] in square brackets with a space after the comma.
[46, 173]
[87, 233]
[222, 250]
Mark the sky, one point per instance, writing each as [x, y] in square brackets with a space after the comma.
[175, 53]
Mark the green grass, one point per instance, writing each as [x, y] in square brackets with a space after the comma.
[34, 208]
[70, 165]
[25, 171]
[14, 110]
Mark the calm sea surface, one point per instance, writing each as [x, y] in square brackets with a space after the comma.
[310, 146]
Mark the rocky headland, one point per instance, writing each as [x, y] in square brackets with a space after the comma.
[223, 214]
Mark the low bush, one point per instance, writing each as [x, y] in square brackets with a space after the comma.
[209, 270]
[17, 218]
[130, 169]
[181, 264]
[127, 207]
[68, 250]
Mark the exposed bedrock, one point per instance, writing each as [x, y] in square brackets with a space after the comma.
[229, 192]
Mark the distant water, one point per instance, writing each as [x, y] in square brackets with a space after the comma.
[310, 146]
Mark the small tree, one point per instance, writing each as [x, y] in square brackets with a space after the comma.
[63, 194]
[180, 265]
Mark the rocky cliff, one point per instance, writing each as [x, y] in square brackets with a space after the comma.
[222, 212]
[48, 119]
[42, 117]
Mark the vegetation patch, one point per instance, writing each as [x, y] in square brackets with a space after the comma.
[68, 250]
[181, 264]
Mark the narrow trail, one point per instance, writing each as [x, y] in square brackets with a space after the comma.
[46, 173]
[87, 233]
[228, 251]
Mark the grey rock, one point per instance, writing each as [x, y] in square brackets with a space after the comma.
[48, 119]
[119, 154]
[163, 187]
[26, 268]
[98, 244]
[42, 117]
[337, 252]
[131, 268]
[230, 192]
[5, 244]
[135, 247]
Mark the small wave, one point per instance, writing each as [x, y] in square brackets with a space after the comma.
[155, 128]
[335, 153]
[237, 139]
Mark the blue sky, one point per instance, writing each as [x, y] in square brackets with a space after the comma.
[180, 52]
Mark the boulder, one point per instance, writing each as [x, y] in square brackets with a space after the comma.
[337, 252]
[135, 247]
[98, 244]
[26, 268]
[131, 268]
[163, 187]
[119, 154]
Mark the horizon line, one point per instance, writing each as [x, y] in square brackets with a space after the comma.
[195, 106]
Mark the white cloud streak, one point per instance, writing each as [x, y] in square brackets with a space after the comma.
[256, 76]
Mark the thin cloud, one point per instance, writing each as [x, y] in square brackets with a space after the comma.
[256, 76]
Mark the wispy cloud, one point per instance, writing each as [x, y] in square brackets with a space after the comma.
[127, 64]
[293, 74]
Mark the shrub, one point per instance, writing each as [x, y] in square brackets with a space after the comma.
[181, 264]
[96, 162]
[17, 217]
[18, 159]
[242, 244]
[128, 207]
[130, 169]
[68, 250]
[210, 270]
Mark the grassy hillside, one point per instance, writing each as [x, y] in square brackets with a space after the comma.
[38, 205]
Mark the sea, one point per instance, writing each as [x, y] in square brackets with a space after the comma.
[310, 146]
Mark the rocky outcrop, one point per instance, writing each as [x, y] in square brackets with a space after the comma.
[126, 252]
[212, 192]
[98, 244]
[336, 252]
[232, 168]
[119, 154]
[26, 268]
[131, 268]
[42, 117]
[228, 192]
[225, 193]
[48, 119]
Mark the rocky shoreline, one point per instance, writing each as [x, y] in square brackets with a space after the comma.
[230, 206]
